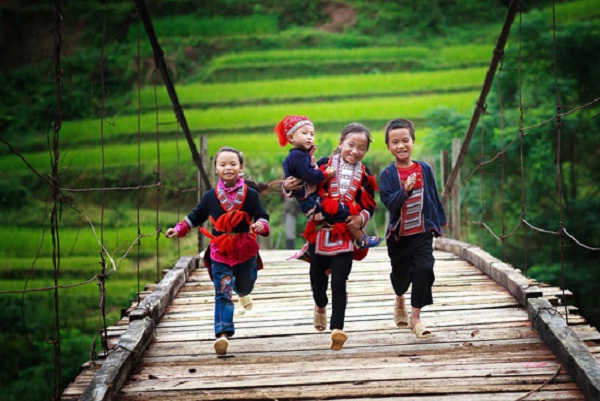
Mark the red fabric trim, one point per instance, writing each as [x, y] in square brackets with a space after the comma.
[359, 254]
[334, 241]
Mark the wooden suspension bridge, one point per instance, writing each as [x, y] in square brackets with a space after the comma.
[497, 336]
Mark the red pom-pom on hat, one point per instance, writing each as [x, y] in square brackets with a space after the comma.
[288, 125]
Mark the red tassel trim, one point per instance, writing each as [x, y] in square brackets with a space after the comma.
[373, 182]
[310, 232]
[339, 230]
[367, 200]
[353, 209]
[330, 205]
[225, 225]
[280, 131]
[206, 233]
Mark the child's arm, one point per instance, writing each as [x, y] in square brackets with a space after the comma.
[367, 200]
[180, 230]
[307, 172]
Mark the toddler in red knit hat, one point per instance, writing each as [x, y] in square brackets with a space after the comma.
[299, 131]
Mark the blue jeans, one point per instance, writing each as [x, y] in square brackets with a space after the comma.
[239, 278]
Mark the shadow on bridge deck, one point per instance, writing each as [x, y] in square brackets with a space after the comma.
[483, 348]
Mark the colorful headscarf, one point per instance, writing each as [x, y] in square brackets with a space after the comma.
[288, 125]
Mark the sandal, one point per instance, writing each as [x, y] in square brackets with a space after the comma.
[221, 345]
[401, 317]
[338, 338]
[421, 331]
[319, 320]
[246, 302]
[369, 242]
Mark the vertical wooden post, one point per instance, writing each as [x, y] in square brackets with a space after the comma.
[444, 171]
[289, 211]
[202, 188]
[431, 161]
[444, 168]
[455, 191]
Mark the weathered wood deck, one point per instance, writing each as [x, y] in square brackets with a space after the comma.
[483, 348]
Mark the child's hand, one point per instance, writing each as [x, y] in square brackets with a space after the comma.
[258, 227]
[410, 182]
[330, 172]
[171, 232]
[354, 222]
[291, 183]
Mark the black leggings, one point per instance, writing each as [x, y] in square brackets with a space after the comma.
[340, 266]
[412, 263]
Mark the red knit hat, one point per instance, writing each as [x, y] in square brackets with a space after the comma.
[288, 125]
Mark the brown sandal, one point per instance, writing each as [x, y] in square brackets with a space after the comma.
[421, 331]
[319, 320]
[338, 338]
[401, 317]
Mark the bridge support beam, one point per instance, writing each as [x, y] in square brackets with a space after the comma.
[570, 350]
[110, 377]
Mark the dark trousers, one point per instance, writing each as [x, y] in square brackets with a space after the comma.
[340, 266]
[412, 263]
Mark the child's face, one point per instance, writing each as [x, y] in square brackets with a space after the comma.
[354, 147]
[228, 167]
[400, 145]
[303, 138]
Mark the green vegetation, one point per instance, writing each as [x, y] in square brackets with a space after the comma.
[334, 88]
[239, 67]
[215, 26]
